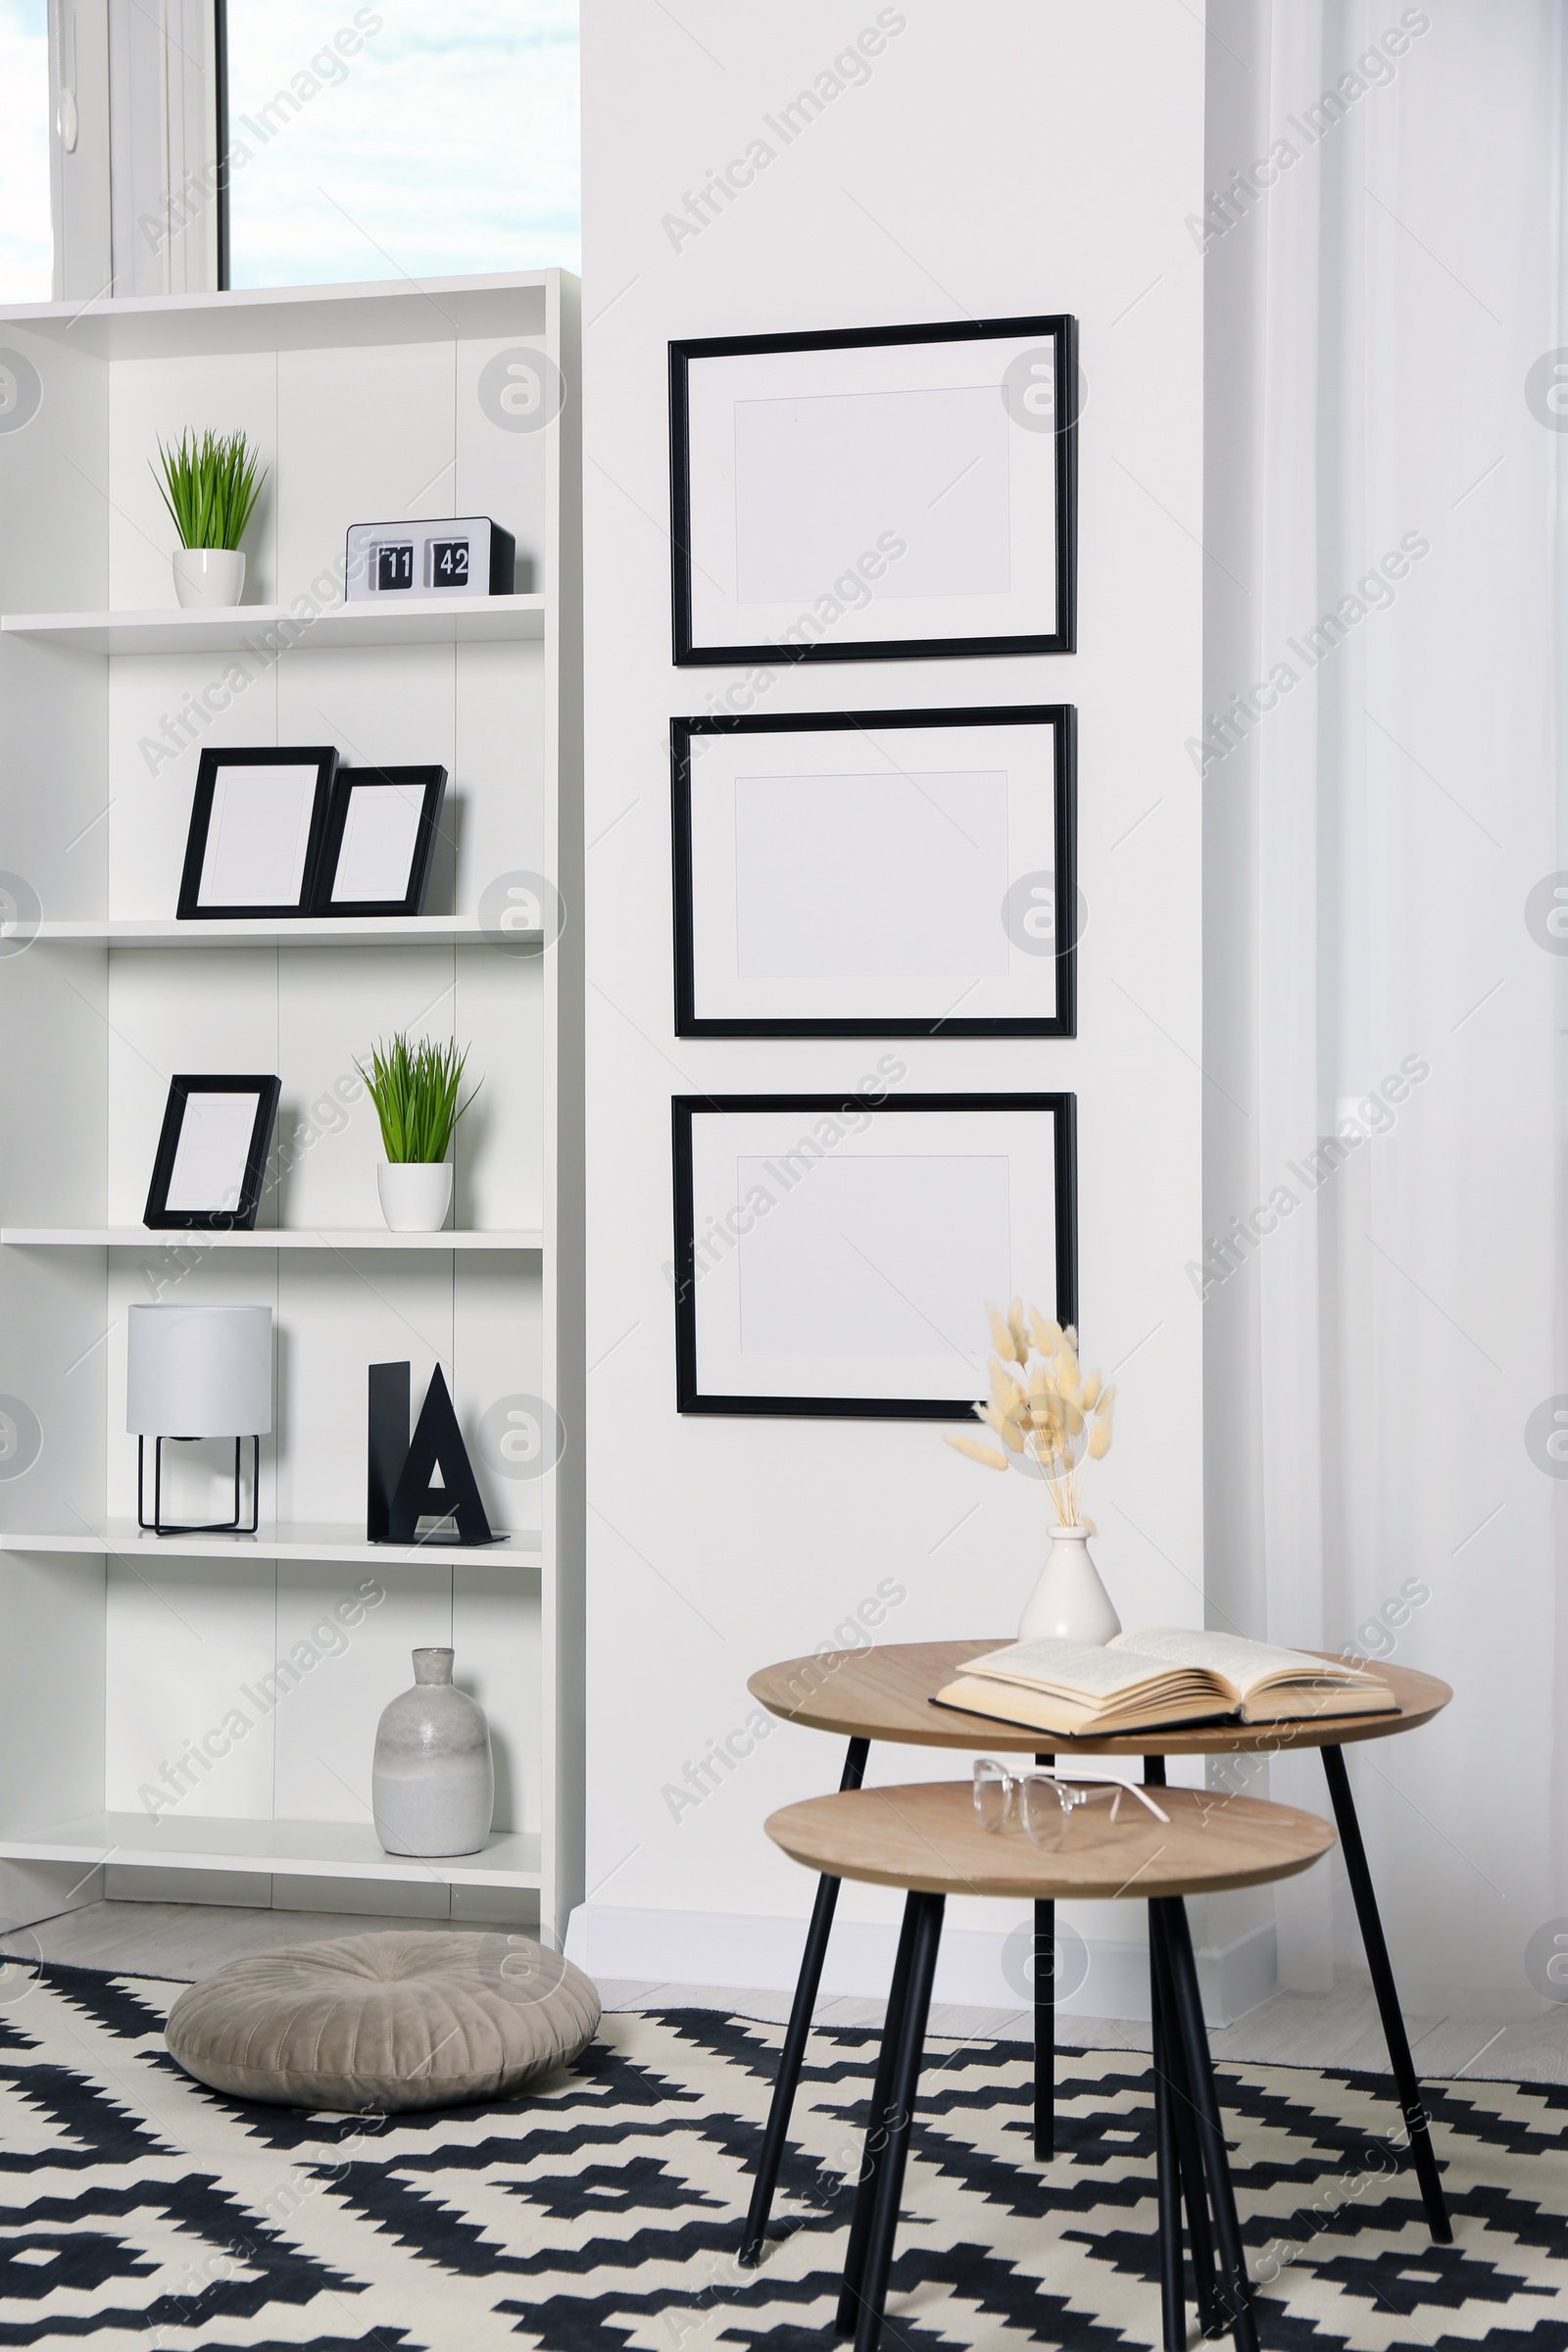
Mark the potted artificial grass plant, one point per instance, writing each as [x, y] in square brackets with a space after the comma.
[209, 487]
[415, 1088]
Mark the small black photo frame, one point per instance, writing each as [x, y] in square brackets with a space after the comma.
[212, 1154]
[876, 873]
[382, 828]
[256, 830]
[875, 494]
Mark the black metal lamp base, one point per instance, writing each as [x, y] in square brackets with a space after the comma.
[215, 1527]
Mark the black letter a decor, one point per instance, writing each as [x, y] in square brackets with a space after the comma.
[430, 1478]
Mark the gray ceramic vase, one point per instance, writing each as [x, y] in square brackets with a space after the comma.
[433, 1782]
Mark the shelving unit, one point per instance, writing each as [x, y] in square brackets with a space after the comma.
[121, 1651]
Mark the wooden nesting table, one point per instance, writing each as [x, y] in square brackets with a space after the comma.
[927, 1841]
[886, 1693]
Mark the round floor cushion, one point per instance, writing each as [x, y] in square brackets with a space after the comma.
[385, 2020]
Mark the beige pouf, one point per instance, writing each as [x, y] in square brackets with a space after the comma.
[386, 2022]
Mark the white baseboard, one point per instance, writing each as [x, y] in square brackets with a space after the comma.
[251, 1890]
[981, 1970]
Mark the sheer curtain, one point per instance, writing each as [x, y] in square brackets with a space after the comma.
[1385, 998]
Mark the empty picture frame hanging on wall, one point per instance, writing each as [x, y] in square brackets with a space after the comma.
[876, 873]
[834, 1253]
[887, 492]
[256, 829]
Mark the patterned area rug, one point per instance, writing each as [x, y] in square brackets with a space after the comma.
[602, 2211]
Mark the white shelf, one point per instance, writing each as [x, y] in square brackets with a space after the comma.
[295, 931]
[327, 317]
[283, 1539]
[236, 628]
[310, 1849]
[173, 1237]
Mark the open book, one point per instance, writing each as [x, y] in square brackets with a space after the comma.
[1158, 1676]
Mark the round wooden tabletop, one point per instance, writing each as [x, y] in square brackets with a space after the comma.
[886, 1693]
[927, 1837]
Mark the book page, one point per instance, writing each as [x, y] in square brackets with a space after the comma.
[1245, 1665]
[1081, 1668]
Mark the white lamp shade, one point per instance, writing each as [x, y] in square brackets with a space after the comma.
[199, 1371]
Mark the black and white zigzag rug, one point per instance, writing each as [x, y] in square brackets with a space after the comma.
[602, 2211]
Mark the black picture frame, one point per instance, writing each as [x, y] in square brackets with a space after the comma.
[433, 782]
[690, 1397]
[213, 760]
[1060, 328]
[1062, 721]
[241, 1218]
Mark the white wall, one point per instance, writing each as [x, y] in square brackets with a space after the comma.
[1011, 158]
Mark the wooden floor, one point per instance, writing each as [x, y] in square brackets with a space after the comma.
[1294, 2029]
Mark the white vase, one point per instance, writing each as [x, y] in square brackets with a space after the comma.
[433, 1778]
[416, 1194]
[1069, 1604]
[209, 575]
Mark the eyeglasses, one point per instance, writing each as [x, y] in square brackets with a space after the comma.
[1044, 1805]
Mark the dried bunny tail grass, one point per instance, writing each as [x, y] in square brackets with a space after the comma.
[1047, 1336]
[986, 1456]
[1000, 1337]
[1042, 1408]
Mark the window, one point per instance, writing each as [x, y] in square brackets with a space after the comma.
[399, 139]
[27, 248]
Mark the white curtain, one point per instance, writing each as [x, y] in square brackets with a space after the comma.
[1386, 1006]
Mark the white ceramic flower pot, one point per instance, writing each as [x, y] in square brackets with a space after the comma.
[416, 1194]
[209, 575]
[1069, 1604]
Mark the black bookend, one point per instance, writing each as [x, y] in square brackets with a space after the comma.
[437, 1444]
[389, 1446]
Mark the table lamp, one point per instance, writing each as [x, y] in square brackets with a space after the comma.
[198, 1372]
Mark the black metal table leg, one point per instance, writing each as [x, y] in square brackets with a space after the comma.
[877, 2122]
[1045, 2024]
[925, 1912]
[1199, 2232]
[1167, 1917]
[787, 2080]
[1189, 2153]
[1167, 2168]
[1411, 2107]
